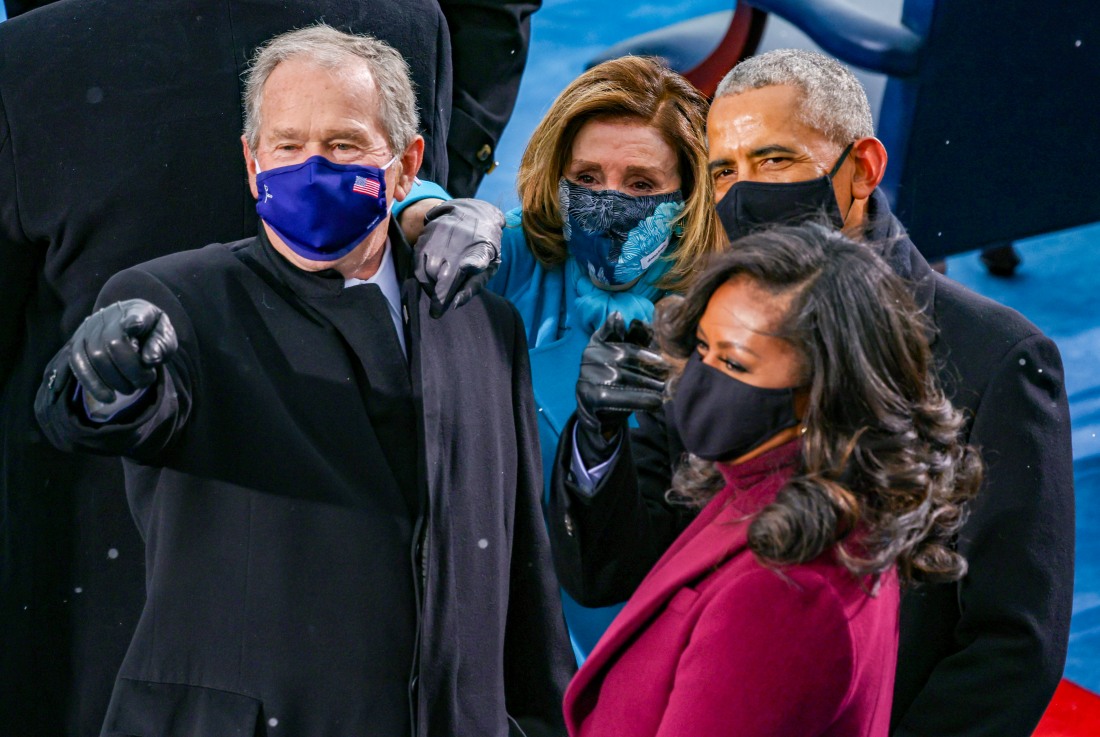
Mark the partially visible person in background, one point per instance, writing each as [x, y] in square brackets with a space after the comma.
[616, 212]
[489, 41]
[828, 466]
[489, 44]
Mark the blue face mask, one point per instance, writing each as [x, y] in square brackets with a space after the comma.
[615, 237]
[322, 210]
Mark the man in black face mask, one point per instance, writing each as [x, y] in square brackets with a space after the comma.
[790, 137]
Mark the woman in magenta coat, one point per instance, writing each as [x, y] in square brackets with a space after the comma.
[830, 471]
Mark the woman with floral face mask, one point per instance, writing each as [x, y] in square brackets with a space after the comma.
[616, 212]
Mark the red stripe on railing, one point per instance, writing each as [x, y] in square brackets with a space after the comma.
[740, 41]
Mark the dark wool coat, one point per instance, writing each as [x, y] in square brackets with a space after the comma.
[336, 544]
[120, 133]
[980, 657]
[489, 43]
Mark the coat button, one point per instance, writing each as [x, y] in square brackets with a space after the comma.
[568, 525]
[485, 156]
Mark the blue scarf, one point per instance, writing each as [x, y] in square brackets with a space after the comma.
[593, 305]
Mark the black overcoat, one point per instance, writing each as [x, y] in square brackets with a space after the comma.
[489, 43]
[981, 657]
[119, 142]
[328, 539]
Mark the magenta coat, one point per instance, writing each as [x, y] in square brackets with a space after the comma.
[712, 643]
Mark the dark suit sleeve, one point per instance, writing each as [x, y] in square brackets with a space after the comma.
[489, 42]
[163, 411]
[538, 658]
[1016, 599]
[605, 543]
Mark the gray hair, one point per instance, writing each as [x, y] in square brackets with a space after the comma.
[331, 49]
[833, 100]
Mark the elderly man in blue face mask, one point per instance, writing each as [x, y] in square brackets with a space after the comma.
[323, 556]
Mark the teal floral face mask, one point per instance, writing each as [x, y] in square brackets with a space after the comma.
[615, 237]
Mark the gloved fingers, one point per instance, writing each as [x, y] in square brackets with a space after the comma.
[609, 358]
[640, 333]
[427, 265]
[160, 344]
[107, 347]
[471, 287]
[654, 374]
[141, 337]
[642, 360]
[461, 241]
[650, 376]
[116, 349]
[479, 257]
[123, 352]
[455, 286]
[447, 284]
[476, 269]
[137, 317]
[434, 270]
[613, 330]
[84, 371]
[467, 210]
[602, 399]
[638, 381]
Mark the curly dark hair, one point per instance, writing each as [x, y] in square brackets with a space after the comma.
[884, 473]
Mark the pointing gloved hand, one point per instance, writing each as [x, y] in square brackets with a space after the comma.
[458, 251]
[620, 373]
[118, 348]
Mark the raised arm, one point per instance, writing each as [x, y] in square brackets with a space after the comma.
[607, 532]
[120, 385]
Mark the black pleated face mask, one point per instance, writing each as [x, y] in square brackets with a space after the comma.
[752, 206]
[720, 418]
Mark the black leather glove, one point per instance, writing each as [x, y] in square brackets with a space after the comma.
[620, 373]
[458, 251]
[118, 348]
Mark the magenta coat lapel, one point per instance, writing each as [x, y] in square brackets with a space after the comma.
[718, 533]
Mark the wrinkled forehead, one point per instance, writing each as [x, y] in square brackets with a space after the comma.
[774, 115]
[301, 93]
[342, 70]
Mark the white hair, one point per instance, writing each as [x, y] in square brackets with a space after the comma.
[331, 49]
[833, 100]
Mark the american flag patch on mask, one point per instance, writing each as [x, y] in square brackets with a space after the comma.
[365, 186]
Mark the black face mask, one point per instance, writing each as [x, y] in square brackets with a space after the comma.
[720, 418]
[751, 206]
